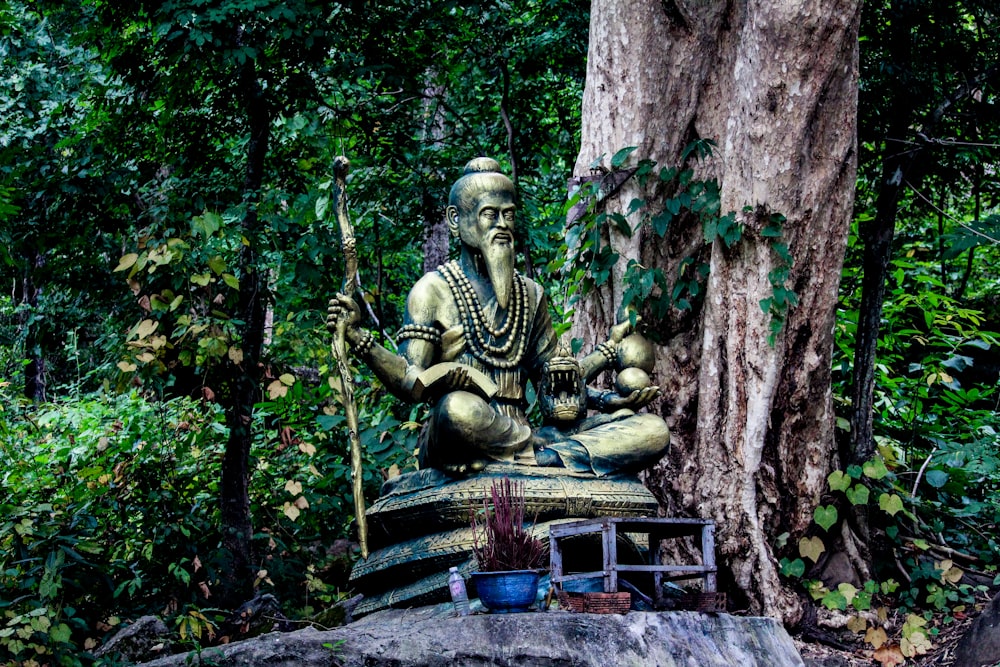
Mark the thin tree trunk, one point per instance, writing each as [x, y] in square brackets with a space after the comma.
[903, 166]
[245, 384]
[877, 235]
[774, 85]
[435, 232]
[34, 369]
[436, 235]
[977, 210]
[522, 240]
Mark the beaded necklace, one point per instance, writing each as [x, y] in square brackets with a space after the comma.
[492, 346]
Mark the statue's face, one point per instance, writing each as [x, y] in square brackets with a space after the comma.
[489, 221]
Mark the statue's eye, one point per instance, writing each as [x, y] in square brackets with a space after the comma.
[508, 215]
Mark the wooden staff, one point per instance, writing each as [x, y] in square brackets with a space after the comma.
[340, 166]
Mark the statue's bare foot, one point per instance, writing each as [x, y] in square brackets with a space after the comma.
[547, 458]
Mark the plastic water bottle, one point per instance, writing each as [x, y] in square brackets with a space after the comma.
[459, 595]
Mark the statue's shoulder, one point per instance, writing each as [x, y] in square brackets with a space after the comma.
[430, 285]
[427, 296]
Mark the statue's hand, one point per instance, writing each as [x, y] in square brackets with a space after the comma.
[643, 397]
[637, 399]
[343, 308]
[458, 379]
[619, 331]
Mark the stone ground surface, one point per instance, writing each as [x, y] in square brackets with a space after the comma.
[432, 637]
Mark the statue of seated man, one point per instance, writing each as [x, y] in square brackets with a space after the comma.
[493, 325]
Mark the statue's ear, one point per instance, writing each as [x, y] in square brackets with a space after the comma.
[451, 216]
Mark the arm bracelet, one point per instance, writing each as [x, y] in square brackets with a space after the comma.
[609, 352]
[603, 400]
[419, 332]
[365, 342]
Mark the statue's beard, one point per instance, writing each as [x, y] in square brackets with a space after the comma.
[499, 259]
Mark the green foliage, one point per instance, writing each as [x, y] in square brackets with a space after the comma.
[101, 508]
[115, 498]
[825, 516]
[929, 67]
[927, 72]
[934, 581]
[782, 298]
[590, 257]
[936, 421]
[188, 297]
[59, 200]
[933, 487]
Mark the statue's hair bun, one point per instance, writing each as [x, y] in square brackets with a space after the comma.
[480, 165]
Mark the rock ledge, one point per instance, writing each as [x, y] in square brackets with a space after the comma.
[431, 637]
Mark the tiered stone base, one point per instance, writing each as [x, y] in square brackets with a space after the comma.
[420, 526]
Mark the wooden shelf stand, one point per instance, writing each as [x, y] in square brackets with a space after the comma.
[656, 529]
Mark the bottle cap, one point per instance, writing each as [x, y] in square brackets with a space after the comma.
[453, 569]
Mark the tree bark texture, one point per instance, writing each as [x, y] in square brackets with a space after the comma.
[774, 85]
[436, 236]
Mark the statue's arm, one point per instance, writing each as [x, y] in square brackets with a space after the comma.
[389, 367]
[396, 371]
[597, 361]
[606, 353]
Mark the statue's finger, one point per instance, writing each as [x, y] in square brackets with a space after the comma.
[648, 394]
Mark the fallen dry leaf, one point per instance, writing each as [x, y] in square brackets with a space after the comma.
[876, 637]
[857, 624]
[889, 656]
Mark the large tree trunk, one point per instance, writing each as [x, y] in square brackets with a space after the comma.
[774, 85]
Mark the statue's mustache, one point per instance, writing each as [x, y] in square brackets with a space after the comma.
[501, 236]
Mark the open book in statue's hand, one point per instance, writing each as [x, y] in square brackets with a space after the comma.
[449, 376]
